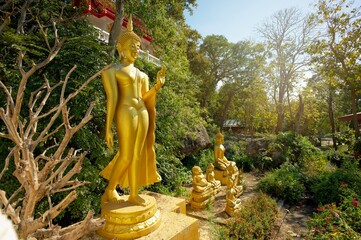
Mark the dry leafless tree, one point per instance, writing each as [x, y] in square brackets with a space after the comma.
[52, 171]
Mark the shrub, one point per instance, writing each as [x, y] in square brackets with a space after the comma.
[237, 154]
[297, 149]
[326, 188]
[286, 183]
[255, 220]
[338, 222]
[201, 159]
[339, 156]
[173, 173]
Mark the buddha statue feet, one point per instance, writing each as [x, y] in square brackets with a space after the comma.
[137, 200]
[111, 196]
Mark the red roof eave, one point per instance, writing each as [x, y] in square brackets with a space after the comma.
[96, 8]
[349, 117]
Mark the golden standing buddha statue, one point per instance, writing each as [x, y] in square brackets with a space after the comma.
[132, 104]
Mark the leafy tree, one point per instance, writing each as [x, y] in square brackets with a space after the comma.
[337, 52]
[249, 59]
[219, 66]
[287, 35]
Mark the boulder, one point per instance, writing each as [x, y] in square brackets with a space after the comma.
[199, 140]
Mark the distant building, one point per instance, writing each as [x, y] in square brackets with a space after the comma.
[349, 118]
[233, 125]
[102, 18]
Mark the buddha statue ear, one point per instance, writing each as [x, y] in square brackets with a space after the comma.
[120, 49]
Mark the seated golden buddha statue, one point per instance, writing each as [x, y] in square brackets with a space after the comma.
[131, 102]
[234, 177]
[221, 162]
[203, 191]
[232, 201]
[200, 183]
[211, 179]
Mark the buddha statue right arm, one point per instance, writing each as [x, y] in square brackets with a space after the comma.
[110, 86]
[160, 82]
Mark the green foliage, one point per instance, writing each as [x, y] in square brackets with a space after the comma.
[286, 183]
[236, 153]
[201, 159]
[327, 187]
[338, 221]
[297, 149]
[255, 220]
[173, 173]
[339, 156]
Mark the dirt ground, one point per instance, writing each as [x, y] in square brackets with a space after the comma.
[291, 223]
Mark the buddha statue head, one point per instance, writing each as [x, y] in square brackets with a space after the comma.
[127, 35]
[219, 137]
[196, 170]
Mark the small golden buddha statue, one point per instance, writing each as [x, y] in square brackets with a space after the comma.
[200, 183]
[234, 177]
[210, 177]
[131, 102]
[203, 191]
[232, 201]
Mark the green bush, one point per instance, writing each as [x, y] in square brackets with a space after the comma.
[337, 157]
[173, 173]
[297, 149]
[236, 153]
[255, 220]
[326, 188]
[286, 183]
[342, 221]
[201, 159]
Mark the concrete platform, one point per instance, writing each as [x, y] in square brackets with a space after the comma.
[175, 225]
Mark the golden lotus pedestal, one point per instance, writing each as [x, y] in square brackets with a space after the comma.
[124, 220]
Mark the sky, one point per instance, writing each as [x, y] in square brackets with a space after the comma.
[238, 19]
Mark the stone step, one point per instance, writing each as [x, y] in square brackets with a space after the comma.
[175, 225]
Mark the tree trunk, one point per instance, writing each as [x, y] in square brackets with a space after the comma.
[280, 103]
[332, 118]
[117, 25]
[299, 115]
[225, 110]
[354, 113]
[280, 117]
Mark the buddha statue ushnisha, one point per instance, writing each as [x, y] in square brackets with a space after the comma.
[131, 103]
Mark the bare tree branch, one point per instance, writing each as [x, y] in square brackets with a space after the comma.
[51, 213]
[10, 211]
[9, 97]
[7, 161]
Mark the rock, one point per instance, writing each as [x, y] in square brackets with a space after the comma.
[200, 141]
[255, 145]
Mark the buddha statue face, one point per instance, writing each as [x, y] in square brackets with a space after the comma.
[129, 43]
[130, 49]
[196, 170]
[219, 138]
